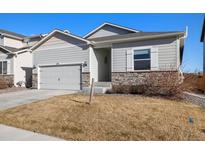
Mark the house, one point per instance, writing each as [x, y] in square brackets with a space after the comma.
[15, 60]
[203, 40]
[110, 54]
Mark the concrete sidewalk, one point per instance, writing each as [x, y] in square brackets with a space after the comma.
[8, 133]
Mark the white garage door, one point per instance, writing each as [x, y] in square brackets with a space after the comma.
[60, 77]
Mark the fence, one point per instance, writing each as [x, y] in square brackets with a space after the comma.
[197, 81]
[201, 82]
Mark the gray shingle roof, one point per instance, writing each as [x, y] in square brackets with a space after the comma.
[34, 36]
[132, 35]
[10, 48]
[11, 33]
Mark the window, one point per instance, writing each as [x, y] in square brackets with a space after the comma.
[142, 59]
[3, 67]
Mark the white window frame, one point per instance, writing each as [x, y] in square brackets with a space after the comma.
[133, 60]
[3, 68]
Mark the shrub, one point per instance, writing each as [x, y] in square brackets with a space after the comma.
[20, 84]
[196, 82]
[120, 89]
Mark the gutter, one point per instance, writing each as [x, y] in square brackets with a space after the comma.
[186, 32]
[24, 50]
[136, 38]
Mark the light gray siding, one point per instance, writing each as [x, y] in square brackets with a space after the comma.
[9, 59]
[11, 42]
[62, 49]
[108, 31]
[167, 53]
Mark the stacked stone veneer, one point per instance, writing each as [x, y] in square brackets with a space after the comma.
[9, 79]
[85, 79]
[153, 82]
[141, 78]
[34, 80]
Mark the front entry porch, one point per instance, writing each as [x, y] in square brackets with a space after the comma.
[102, 62]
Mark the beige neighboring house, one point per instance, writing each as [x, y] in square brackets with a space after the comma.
[15, 60]
[111, 54]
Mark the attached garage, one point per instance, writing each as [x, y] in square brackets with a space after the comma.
[61, 62]
[65, 77]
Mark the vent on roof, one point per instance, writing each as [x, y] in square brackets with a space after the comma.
[43, 35]
[66, 31]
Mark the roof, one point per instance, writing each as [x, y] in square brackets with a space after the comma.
[26, 47]
[15, 50]
[6, 32]
[2, 31]
[203, 31]
[36, 36]
[9, 49]
[110, 24]
[139, 35]
[57, 31]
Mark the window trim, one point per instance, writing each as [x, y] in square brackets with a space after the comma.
[2, 73]
[133, 60]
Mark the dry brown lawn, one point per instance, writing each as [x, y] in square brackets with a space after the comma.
[110, 117]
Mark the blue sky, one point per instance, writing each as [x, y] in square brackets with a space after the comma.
[80, 24]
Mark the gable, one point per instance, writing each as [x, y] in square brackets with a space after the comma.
[60, 40]
[108, 30]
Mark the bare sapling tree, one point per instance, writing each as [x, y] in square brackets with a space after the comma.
[91, 91]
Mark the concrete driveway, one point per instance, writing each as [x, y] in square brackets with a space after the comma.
[12, 99]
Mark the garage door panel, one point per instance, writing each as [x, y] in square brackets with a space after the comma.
[71, 87]
[60, 77]
[48, 86]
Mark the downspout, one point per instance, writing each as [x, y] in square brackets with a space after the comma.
[183, 37]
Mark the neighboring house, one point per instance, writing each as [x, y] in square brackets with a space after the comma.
[15, 60]
[109, 53]
[203, 40]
